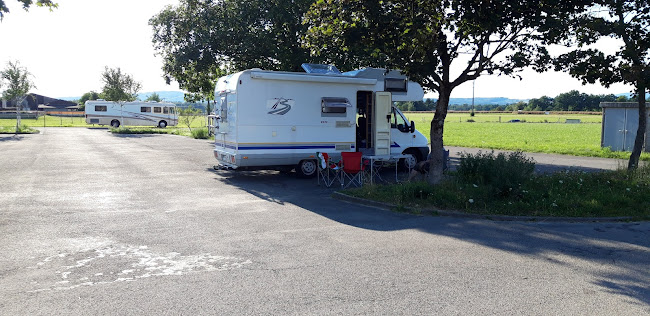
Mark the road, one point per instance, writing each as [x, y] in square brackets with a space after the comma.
[98, 224]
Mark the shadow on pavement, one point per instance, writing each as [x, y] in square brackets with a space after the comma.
[10, 137]
[626, 245]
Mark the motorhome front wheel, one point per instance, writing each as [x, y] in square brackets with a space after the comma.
[409, 163]
[115, 123]
[162, 124]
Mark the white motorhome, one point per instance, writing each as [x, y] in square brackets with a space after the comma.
[279, 120]
[161, 114]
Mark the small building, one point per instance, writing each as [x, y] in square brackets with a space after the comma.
[620, 124]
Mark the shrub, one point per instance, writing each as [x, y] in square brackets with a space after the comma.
[503, 173]
[200, 133]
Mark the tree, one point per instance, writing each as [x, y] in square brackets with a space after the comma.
[119, 86]
[542, 104]
[424, 38]
[154, 97]
[569, 101]
[201, 40]
[18, 82]
[627, 20]
[188, 115]
[88, 96]
[26, 4]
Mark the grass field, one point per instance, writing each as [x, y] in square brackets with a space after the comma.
[539, 133]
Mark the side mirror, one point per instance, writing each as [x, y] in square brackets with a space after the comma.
[412, 126]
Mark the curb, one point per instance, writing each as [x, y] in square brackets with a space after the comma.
[504, 218]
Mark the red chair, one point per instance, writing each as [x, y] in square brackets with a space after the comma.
[353, 168]
[328, 171]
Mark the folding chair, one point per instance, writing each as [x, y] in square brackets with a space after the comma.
[353, 168]
[327, 170]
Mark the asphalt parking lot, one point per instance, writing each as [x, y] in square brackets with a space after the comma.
[93, 223]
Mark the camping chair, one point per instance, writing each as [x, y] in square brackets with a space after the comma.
[353, 168]
[327, 170]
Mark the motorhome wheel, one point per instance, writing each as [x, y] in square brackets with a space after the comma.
[115, 123]
[306, 168]
[162, 124]
[409, 163]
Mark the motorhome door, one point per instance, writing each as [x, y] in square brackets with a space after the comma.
[381, 119]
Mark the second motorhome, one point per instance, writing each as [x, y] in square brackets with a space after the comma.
[115, 114]
[280, 120]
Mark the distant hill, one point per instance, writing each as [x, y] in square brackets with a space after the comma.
[168, 96]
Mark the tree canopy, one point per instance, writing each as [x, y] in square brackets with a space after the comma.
[201, 40]
[26, 4]
[628, 21]
[119, 86]
[424, 38]
[155, 97]
[17, 80]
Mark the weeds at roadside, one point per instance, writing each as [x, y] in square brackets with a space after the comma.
[489, 184]
[22, 129]
[199, 133]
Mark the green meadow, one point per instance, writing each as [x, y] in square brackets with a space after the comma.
[533, 133]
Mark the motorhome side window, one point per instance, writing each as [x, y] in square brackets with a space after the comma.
[157, 109]
[100, 108]
[145, 109]
[165, 110]
[334, 105]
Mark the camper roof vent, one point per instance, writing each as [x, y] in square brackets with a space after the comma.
[320, 69]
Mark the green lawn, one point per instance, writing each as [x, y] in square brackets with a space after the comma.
[539, 133]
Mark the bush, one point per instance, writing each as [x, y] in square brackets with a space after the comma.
[22, 129]
[200, 133]
[503, 173]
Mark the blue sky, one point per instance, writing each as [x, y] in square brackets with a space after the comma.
[66, 51]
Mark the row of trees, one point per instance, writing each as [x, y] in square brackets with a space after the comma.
[569, 101]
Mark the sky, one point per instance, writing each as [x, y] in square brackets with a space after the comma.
[67, 49]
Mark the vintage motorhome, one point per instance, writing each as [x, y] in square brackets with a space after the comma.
[280, 120]
[115, 114]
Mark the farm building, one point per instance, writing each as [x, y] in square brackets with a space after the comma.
[36, 102]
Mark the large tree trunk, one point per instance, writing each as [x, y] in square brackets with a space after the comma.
[436, 133]
[640, 133]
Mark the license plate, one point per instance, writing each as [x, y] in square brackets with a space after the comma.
[226, 157]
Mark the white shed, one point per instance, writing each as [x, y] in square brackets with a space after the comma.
[620, 123]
